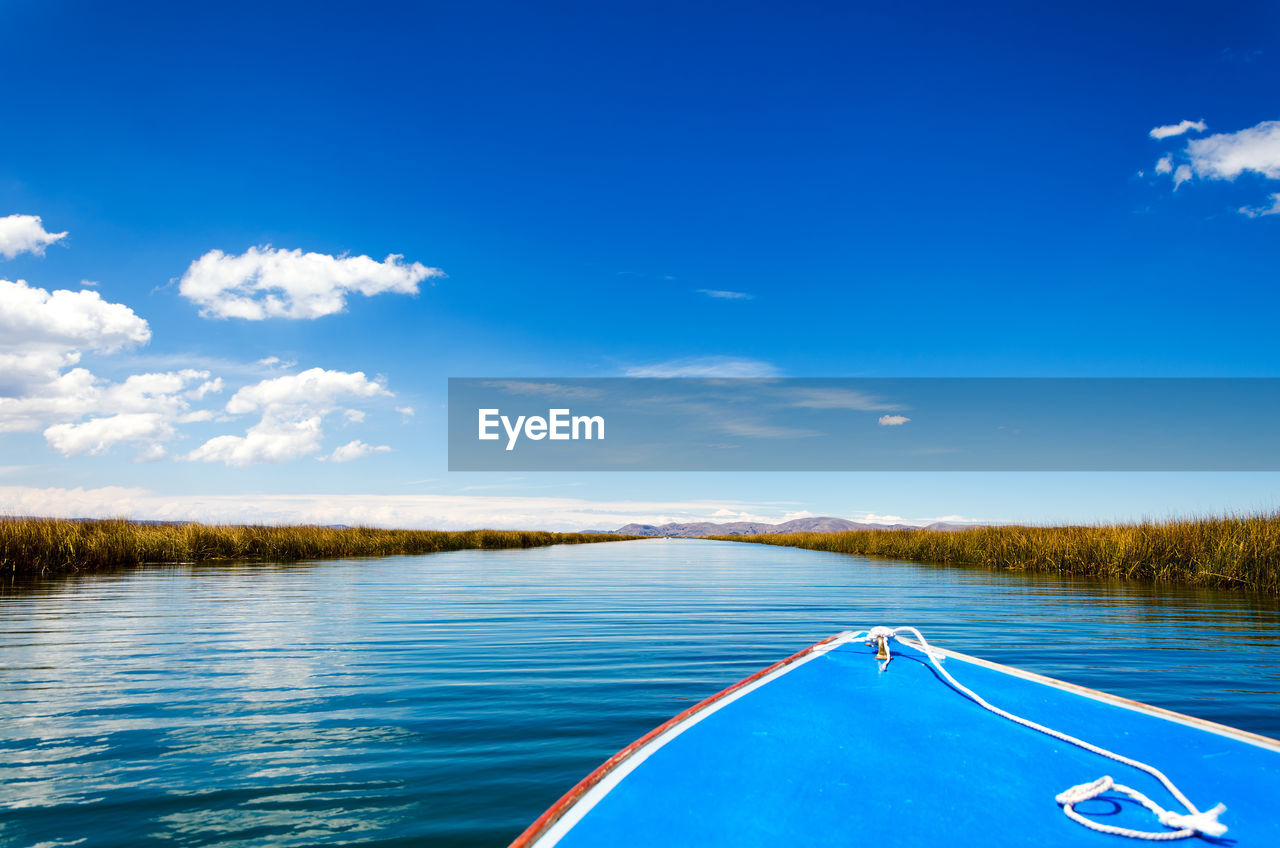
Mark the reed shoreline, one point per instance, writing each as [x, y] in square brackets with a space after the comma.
[1234, 552]
[47, 546]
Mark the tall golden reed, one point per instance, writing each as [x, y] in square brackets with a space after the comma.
[1234, 551]
[49, 545]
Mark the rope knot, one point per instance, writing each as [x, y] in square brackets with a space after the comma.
[1206, 822]
[1085, 791]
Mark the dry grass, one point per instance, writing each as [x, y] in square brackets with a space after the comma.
[1236, 551]
[48, 546]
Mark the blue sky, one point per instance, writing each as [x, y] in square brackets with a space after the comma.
[915, 189]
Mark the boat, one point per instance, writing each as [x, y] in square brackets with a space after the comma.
[877, 738]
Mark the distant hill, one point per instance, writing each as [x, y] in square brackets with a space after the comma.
[821, 524]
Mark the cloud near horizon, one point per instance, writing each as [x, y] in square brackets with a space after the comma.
[424, 512]
[267, 282]
[25, 234]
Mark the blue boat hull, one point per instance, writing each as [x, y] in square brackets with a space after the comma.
[825, 749]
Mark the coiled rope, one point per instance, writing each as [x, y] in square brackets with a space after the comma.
[1186, 824]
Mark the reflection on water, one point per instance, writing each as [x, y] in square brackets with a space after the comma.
[448, 699]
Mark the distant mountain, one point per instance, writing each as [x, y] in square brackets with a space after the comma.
[822, 524]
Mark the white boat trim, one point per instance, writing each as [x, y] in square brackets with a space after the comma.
[1115, 700]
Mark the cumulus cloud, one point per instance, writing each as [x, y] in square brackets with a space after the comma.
[721, 294]
[1260, 211]
[893, 420]
[25, 234]
[1177, 129]
[41, 334]
[291, 413]
[143, 409]
[35, 320]
[44, 334]
[1225, 156]
[706, 366]
[266, 282]
[355, 450]
[97, 435]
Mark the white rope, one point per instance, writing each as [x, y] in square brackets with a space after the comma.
[1186, 824]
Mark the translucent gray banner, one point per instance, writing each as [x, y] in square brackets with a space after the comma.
[857, 424]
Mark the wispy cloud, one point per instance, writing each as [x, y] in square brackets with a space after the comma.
[759, 430]
[721, 294]
[1260, 211]
[707, 366]
[1179, 128]
[543, 389]
[25, 234]
[266, 282]
[824, 398]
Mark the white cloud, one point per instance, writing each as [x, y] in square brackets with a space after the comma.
[41, 334]
[355, 450]
[97, 435]
[1177, 129]
[34, 320]
[726, 295]
[266, 282]
[1225, 156]
[435, 511]
[406, 411]
[25, 234]
[706, 366]
[893, 420]
[292, 410]
[143, 409]
[1164, 165]
[207, 387]
[313, 388]
[1260, 211]
[1181, 175]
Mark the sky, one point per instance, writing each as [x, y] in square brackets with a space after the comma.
[244, 246]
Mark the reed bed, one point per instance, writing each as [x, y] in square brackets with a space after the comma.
[1235, 551]
[49, 546]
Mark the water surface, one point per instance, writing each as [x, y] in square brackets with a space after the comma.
[448, 699]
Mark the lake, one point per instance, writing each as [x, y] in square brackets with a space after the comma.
[448, 699]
